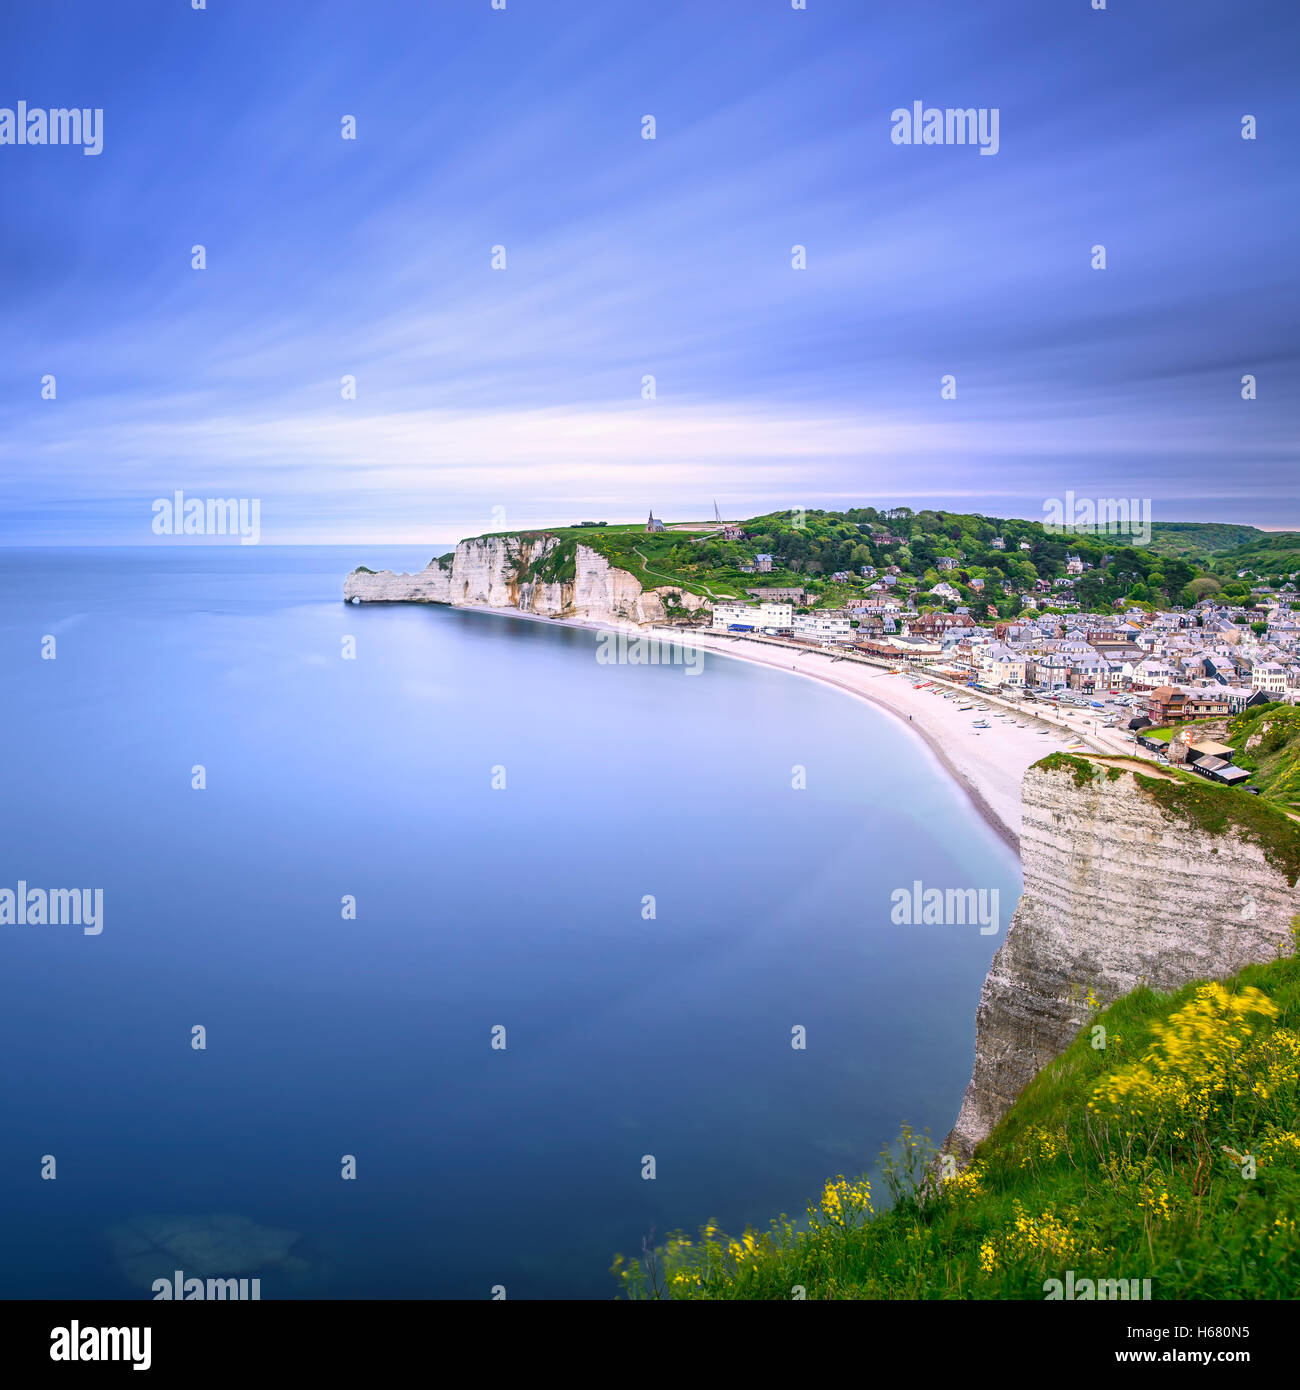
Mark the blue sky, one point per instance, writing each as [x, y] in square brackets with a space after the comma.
[489, 399]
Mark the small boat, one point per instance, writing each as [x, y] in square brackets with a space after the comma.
[981, 724]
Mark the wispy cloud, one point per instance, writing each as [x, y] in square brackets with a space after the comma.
[627, 258]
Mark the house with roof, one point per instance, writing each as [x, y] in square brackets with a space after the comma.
[1217, 770]
[1207, 759]
[1205, 703]
[1269, 677]
[830, 626]
[1240, 698]
[1165, 703]
[1048, 671]
[1000, 665]
[793, 595]
[1090, 672]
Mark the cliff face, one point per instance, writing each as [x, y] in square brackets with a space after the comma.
[1125, 883]
[527, 574]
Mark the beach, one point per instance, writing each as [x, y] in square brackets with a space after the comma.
[988, 764]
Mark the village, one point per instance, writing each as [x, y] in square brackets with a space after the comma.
[1159, 684]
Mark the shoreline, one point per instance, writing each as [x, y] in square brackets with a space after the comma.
[930, 719]
[986, 765]
[981, 803]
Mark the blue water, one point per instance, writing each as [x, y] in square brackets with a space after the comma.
[475, 907]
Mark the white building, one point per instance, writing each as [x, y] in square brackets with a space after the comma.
[999, 665]
[1153, 672]
[823, 627]
[756, 615]
[1270, 678]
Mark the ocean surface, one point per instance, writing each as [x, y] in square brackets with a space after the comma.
[477, 906]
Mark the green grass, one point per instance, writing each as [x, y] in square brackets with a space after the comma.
[1200, 537]
[558, 565]
[1275, 757]
[1205, 1204]
[1082, 770]
[1215, 810]
[658, 559]
[810, 546]
[1196, 728]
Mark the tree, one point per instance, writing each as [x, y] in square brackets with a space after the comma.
[1178, 573]
[1204, 587]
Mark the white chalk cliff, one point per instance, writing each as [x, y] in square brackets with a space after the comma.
[1124, 884]
[527, 574]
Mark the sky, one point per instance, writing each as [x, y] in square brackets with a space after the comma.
[494, 399]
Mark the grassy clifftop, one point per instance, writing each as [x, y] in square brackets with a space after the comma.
[985, 562]
[1268, 743]
[658, 559]
[1164, 1144]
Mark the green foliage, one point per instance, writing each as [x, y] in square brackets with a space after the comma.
[809, 547]
[1267, 741]
[558, 565]
[1084, 771]
[1200, 537]
[1217, 811]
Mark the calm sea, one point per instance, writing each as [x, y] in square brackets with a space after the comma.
[476, 906]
